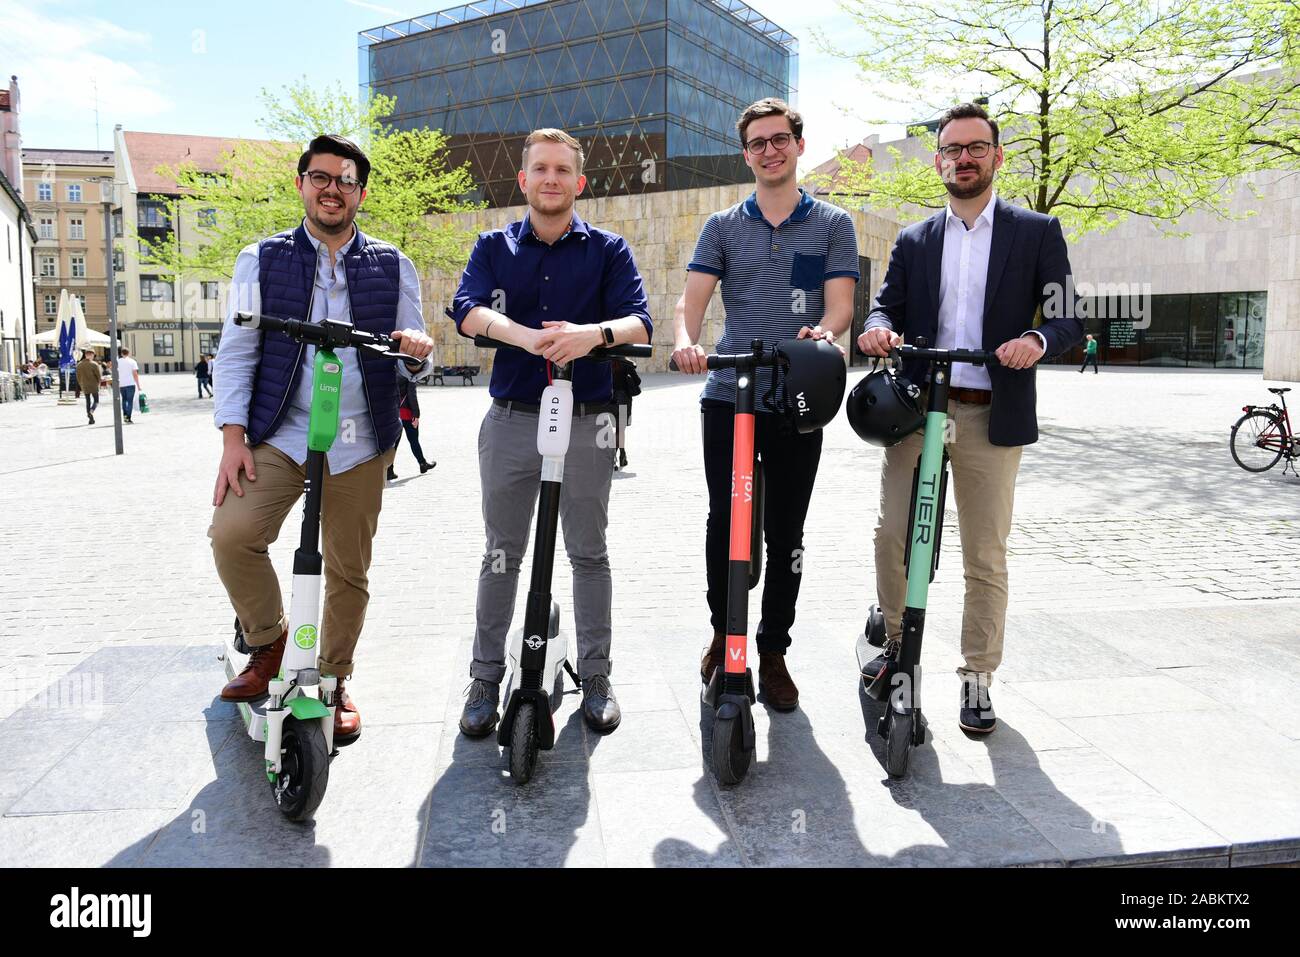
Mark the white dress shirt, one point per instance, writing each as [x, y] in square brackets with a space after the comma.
[962, 282]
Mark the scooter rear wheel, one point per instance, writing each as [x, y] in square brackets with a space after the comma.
[898, 742]
[304, 769]
[731, 759]
[523, 743]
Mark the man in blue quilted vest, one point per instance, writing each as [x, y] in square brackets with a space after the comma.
[325, 268]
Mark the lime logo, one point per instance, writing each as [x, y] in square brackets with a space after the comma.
[305, 637]
[326, 405]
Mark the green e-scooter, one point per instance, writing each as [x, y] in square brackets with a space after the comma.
[296, 718]
[895, 674]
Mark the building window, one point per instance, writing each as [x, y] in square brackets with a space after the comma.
[119, 293]
[207, 217]
[46, 228]
[45, 192]
[76, 228]
[49, 268]
[119, 260]
[81, 298]
[152, 215]
[162, 344]
[153, 289]
[117, 223]
[74, 192]
[51, 305]
[208, 342]
[210, 290]
[78, 267]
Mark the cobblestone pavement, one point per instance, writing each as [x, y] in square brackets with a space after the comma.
[1148, 698]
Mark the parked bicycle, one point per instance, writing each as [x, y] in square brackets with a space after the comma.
[1263, 436]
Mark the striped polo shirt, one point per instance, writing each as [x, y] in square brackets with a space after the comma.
[773, 278]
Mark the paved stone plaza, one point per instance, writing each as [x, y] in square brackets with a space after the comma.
[1149, 699]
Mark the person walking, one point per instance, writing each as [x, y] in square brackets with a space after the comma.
[408, 410]
[128, 374]
[88, 376]
[972, 276]
[1090, 354]
[203, 374]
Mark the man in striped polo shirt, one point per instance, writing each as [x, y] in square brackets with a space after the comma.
[788, 265]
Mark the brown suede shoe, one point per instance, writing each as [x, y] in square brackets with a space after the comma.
[775, 682]
[713, 658]
[263, 665]
[347, 720]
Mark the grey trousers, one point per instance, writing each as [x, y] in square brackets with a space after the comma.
[510, 471]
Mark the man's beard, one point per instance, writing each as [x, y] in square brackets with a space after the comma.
[966, 191]
[333, 229]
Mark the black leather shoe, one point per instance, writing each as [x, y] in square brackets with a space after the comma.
[871, 670]
[976, 714]
[392, 476]
[425, 466]
[599, 707]
[479, 717]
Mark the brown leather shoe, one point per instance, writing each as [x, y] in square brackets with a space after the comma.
[713, 658]
[347, 720]
[263, 665]
[775, 682]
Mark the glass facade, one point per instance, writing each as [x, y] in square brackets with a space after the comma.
[1223, 330]
[651, 88]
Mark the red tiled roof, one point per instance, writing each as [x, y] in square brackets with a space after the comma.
[147, 151]
[827, 173]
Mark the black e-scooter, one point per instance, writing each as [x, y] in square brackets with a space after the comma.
[539, 654]
[895, 675]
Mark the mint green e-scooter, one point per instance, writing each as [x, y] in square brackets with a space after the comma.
[895, 675]
[296, 718]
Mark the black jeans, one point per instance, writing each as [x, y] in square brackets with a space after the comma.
[92, 401]
[1089, 358]
[790, 463]
[413, 439]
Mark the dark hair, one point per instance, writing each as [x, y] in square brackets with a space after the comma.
[769, 106]
[966, 111]
[336, 145]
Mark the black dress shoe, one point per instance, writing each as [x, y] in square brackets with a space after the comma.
[479, 717]
[871, 670]
[392, 476]
[425, 466]
[976, 714]
[599, 706]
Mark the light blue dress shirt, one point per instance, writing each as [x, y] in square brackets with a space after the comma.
[240, 349]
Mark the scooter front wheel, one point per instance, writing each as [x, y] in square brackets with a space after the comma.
[304, 769]
[898, 742]
[523, 743]
[731, 759]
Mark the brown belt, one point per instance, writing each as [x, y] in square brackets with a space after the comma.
[972, 396]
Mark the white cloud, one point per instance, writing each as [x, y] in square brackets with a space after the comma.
[59, 55]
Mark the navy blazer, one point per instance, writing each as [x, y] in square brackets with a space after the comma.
[1027, 261]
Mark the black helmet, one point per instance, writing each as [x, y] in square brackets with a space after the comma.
[814, 381]
[882, 408]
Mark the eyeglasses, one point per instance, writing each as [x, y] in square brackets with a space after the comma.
[321, 180]
[977, 150]
[758, 144]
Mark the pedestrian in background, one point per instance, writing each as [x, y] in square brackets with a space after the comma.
[408, 410]
[88, 376]
[129, 378]
[1090, 354]
[203, 375]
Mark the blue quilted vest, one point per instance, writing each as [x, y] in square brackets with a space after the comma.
[287, 273]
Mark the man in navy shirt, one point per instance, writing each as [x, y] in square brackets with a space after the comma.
[556, 288]
[788, 265]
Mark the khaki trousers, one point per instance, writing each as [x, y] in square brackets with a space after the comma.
[983, 480]
[242, 528]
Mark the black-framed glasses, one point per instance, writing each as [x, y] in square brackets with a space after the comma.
[758, 144]
[321, 180]
[977, 150]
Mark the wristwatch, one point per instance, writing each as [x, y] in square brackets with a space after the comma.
[608, 333]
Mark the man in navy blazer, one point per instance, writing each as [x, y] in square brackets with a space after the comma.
[976, 275]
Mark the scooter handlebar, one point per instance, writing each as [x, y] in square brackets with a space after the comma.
[716, 361]
[630, 350]
[329, 334]
[976, 357]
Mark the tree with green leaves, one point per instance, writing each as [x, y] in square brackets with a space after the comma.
[253, 195]
[1108, 108]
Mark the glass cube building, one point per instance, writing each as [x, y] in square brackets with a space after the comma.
[651, 88]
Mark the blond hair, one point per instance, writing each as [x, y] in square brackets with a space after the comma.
[550, 135]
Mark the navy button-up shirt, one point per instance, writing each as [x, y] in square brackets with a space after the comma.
[586, 276]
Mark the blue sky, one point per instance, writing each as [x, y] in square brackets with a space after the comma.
[186, 67]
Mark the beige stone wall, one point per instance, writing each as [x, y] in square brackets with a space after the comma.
[662, 229]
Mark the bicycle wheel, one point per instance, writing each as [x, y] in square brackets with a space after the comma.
[1258, 440]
